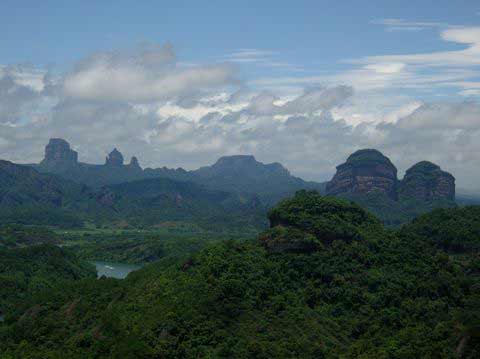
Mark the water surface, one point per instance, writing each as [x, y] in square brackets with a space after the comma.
[115, 270]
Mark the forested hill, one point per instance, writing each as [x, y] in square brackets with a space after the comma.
[29, 197]
[326, 280]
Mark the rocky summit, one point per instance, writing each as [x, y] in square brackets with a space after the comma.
[115, 159]
[58, 150]
[365, 171]
[426, 181]
[134, 163]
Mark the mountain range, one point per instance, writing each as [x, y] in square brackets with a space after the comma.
[235, 189]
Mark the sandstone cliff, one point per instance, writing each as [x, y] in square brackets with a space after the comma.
[365, 171]
[426, 181]
[58, 150]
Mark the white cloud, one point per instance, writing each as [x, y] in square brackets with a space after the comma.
[403, 25]
[143, 76]
[386, 68]
[263, 58]
[470, 56]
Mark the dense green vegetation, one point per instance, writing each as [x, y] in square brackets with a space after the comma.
[368, 157]
[140, 246]
[395, 213]
[31, 266]
[151, 202]
[361, 291]
[32, 198]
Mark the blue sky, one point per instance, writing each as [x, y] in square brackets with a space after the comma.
[315, 35]
[189, 81]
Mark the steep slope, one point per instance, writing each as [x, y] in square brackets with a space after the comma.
[426, 181]
[245, 174]
[365, 171]
[370, 179]
[29, 197]
[157, 200]
[31, 264]
[23, 185]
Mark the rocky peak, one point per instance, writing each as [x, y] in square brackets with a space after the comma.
[58, 150]
[235, 161]
[247, 165]
[365, 171]
[114, 159]
[134, 163]
[426, 181]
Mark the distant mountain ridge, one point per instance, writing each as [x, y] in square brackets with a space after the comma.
[30, 197]
[238, 174]
[233, 187]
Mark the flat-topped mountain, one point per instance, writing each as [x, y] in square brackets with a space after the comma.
[426, 181]
[242, 173]
[245, 165]
[58, 150]
[365, 171]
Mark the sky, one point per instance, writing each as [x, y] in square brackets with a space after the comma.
[305, 83]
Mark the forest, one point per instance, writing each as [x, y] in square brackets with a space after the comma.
[327, 279]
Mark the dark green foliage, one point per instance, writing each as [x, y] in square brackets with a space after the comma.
[368, 157]
[455, 230]
[153, 201]
[324, 218]
[15, 235]
[133, 246]
[392, 294]
[395, 213]
[29, 197]
[28, 274]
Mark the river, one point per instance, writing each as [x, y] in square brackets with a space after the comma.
[115, 270]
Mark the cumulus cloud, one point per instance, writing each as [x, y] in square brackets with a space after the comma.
[18, 98]
[142, 76]
[444, 133]
[310, 101]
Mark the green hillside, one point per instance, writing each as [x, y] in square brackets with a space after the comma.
[360, 292]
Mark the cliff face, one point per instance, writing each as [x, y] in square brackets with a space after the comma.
[426, 181]
[58, 150]
[365, 171]
[114, 159]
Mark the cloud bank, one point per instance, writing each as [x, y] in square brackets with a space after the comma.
[147, 104]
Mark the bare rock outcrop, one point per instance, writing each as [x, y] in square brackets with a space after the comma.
[58, 150]
[114, 159]
[365, 171]
[425, 181]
